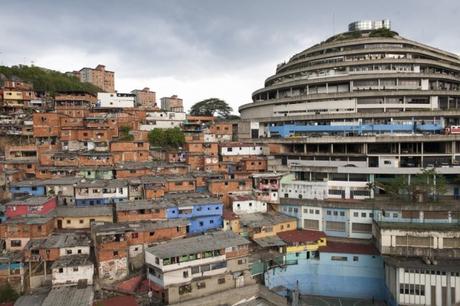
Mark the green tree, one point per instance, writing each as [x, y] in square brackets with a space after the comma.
[211, 107]
[175, 137]
[427, 185]
[8, 294]
[124, 134]
[171, 138]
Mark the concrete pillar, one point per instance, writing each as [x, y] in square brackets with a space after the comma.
[396, 290]
[448, 285]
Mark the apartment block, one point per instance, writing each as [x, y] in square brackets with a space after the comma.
[145, 98]
[99, 76]
[190, 268]
[172, 104]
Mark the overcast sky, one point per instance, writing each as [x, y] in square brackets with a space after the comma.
[197, 48]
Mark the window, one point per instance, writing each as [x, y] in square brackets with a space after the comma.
[115, 253]
[185, 289]
[342, 213]
[229, 149]
[363, 215]
[185, 274]
[135, 235]
[328, 212]
[221, 281]
[201, 285]
[317, 212]
[68, 252]
[355, 214]
[15, 243]
[61, 270]
[152, 233]
[79, 251]
[81, 221]
[68, 221]
[336, 213]
[195, 270]
[201, 223]
[355, 258]
[241, 261]
[339, 258]
[75, 269]
[157, 260]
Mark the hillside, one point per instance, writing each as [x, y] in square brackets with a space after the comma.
[45, 79]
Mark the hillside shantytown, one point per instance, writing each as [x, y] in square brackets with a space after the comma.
[339, 182]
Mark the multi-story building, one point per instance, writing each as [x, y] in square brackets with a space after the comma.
[119, 247]
[172, 104]
[190, 268]
[100, 192]
[98, 76]
[145, 98]
[347, 119]
[202, 211]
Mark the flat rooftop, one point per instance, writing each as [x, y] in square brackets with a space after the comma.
[207, 242]
[88, 211]
[141, 204]
[32, 201]
[264, 219]
[447, 264]
[73, 296]
[104, 228]
[60, 240]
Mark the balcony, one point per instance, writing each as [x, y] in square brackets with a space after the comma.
[191, 263]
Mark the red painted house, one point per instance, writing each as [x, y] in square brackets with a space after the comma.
[30, 206]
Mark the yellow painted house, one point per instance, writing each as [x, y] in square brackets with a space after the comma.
[303, 240]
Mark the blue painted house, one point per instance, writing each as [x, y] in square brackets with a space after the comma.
[339, 269]
[31, 187]
[203, 212]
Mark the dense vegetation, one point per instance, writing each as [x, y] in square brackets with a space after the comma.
[124, 133]
[45, 80]
[383, 32]
[167, 138]
[211, 107]
[427, 186]
[7, 294]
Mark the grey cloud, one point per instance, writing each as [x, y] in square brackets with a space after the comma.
[201, 39]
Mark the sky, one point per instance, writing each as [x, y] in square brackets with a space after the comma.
[199, 49]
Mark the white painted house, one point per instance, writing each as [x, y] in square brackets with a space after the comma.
[115, 100]
[72, 270]
[247, 204]
[162, 120]
[236, 149]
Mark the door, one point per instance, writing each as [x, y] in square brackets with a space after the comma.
[59, 224]
[240, 281]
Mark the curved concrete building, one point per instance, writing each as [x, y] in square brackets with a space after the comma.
[373, 70]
